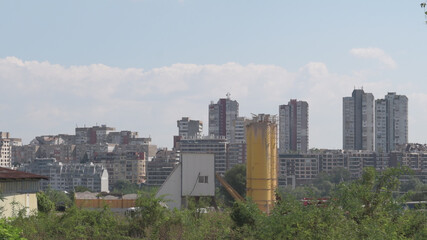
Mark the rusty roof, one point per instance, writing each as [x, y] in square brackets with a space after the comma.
[9, 174]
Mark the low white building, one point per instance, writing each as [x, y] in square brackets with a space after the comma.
[193, 177]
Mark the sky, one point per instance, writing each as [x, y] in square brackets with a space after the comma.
[141, 65]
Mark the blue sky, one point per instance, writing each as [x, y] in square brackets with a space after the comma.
[142, 64]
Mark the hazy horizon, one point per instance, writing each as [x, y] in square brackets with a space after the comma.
[141, 65]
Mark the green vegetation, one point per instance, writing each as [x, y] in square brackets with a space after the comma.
[322, 185]
[417, 190]
[368, 208]
[126, 187]
[44, 204]
[81, 189]
[7, 231]
[236, 177]
[423, 6]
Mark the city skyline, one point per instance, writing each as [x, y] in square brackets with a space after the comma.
[142, 65]
[363, 124]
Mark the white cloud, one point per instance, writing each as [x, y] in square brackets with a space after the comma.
[45, 98]
[374, 53]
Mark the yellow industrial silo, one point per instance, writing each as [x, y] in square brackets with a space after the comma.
[261, 168]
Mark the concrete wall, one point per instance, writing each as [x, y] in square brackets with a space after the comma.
[195, 176]
[170, 191]
[198, 176]
[12, 203]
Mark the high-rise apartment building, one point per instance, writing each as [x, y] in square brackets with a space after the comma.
[293, 127]
[236, 154]
[391, 122]
[238, 134]
[358, 121]
[216, 146]
[5, 150]
[190, 128]
[6, 144]
[225, 123]
[221, 117]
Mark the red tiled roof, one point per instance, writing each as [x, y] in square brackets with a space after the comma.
[9, 174]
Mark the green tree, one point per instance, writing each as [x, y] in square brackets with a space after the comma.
[339, 175]
[366, 208]
[44, 204]
[59, 198]
[419, 193]
[370, 205]
[423, 5]
[125, 187]
[74, 223]
[301, 192]
[148, 216]
[9, 232]
[236, 177]
[371, 195]
[81, 189]
[244, 213]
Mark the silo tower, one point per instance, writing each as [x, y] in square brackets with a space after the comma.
[261, 168]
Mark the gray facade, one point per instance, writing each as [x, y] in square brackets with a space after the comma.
[162, 165]
[221, 117]
[238, 134]
[85, 146]
[129, 166]
[7, 145]
[65, 177]
[236, 154]
[225, 124]
[300, 169]
[293, 127]
[358, 121]
[5, 150]
[391, 122]
[189, 128]
[216, 146]
[159, 171]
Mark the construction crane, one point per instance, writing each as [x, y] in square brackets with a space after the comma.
[229, 188]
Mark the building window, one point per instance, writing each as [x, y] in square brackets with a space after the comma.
[203, 179]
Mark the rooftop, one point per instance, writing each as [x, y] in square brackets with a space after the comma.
[9, 174]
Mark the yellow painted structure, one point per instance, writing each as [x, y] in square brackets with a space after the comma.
[13, 203]
[261, 166]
